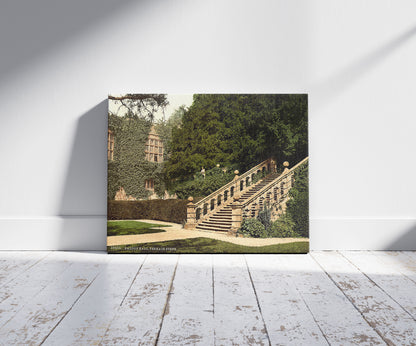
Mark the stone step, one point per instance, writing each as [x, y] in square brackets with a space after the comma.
[216, 218]
[213, 228]
[224, 213]
[221, 216]
[217, 222]
[211, 224]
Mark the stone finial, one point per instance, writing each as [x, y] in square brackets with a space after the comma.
[236, 172]
[286, 164]
[190, 199]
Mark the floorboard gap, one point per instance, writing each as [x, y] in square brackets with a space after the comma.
[352, 303]
[167, 301]
[257, 300]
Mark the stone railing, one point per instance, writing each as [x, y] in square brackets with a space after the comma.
[223, 196]
[275, 195]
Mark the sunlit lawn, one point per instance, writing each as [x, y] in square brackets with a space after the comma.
[207, 245]
[132, 227]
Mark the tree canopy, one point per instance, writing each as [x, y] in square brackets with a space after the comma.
[229, 129]
[140, 105]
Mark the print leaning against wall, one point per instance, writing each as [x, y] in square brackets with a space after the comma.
[208, 173]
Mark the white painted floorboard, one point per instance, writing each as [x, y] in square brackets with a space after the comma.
[335, 298]
[385, 315]
[287, 317]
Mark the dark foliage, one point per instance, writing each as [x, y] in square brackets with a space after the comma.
[202, 186]
[298, 205]
[238, 129]
[170, 210]
[283, 228]
[265, 218]
[253, 228]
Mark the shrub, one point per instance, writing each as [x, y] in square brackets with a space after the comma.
[253, 228]
[265, 218]
[298, 204]
[200, 186]
[282, 228]
[170, 210]
[258, 176]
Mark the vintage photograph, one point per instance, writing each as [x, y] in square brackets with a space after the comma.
[208, 173]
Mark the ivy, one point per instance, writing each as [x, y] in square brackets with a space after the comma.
[130, 169]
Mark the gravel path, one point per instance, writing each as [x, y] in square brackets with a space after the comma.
[177, 232]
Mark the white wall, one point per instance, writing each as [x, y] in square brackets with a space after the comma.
[59, 60]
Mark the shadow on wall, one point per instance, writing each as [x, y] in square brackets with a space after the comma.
[343, 79]
[25, 27]
[406, 242]
[84, 198]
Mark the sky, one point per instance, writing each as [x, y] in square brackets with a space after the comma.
[175, 101]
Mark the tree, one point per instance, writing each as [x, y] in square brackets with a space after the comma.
[140, 105]
[164, 128]
[238, 130]
[197, 142]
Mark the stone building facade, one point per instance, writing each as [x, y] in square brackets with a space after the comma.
[153, 152]
[154, 147]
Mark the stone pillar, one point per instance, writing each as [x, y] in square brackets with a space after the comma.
[287, 179]
[190, 214]
[236, 216]
[286, 165]
[236, 184]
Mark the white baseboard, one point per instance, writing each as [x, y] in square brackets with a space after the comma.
[78, 233]
[83, 233]
[363, 234]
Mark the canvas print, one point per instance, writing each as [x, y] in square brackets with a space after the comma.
[207, 173]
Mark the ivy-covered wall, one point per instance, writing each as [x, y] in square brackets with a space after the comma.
[130, 169]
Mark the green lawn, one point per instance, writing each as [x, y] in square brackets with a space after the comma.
[132, 227]
[207, 245]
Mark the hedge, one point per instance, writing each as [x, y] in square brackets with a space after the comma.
[170, 210]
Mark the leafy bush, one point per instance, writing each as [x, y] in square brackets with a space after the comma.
[253, 228]
[265, 218]
[282, 228]
[258, 176]
[170, 210]
[200, 186]
[298, 204]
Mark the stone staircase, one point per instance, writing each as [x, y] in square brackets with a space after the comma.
[221, 220]
[266, 180]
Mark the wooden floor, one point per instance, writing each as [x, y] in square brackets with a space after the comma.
[336, 298]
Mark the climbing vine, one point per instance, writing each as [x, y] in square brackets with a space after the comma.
[130, 169]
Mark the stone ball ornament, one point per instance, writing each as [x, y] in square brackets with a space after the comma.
[286, 164]
[236, 172]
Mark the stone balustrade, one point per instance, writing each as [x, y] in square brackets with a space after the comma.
[275, 195]
[226, 194]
